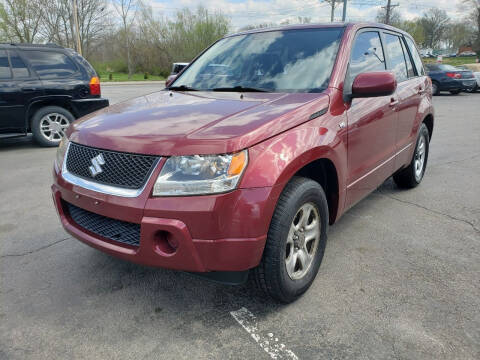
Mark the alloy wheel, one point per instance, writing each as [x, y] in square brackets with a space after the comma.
[420, 157]
[53, 126]
[302, 241]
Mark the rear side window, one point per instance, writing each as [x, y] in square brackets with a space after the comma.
[51, 65]
[5, 72]
[395, 52]
[367, 54]
[416, 57]
[410, 72]
[19, 69]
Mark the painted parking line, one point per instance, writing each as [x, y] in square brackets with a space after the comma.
[267, 341]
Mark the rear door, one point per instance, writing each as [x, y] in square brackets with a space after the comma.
[371, 128]
[18, 88]
[7, 92]
[411, 91]
[408, 93]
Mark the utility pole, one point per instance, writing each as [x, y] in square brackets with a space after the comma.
[388, 9]
[344, 15]
[75, 19]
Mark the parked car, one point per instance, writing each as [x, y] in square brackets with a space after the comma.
[44, 88]
[477, 77]
[176, 69]
[245, 169]
[467, 53]
[450, 78]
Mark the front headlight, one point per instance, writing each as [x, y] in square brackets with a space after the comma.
[200, 174]
[61, 150]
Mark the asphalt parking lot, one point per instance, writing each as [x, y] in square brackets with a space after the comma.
[400, 277]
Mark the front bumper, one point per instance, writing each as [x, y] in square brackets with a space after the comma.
[224, 232]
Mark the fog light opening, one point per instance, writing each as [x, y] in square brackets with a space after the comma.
[166, 243]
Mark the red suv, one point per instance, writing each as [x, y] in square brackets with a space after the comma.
[246, 158]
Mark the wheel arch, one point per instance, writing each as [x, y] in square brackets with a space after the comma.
[324, 172]
[34, 106]
[428, 121]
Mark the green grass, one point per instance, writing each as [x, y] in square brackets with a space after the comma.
[452, 60]
[104, 77]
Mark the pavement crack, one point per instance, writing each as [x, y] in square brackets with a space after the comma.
[432, 211]
[35, 250]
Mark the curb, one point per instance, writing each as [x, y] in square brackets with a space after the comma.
[112, 83]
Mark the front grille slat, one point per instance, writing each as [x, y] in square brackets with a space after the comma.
[112, 229]
[120, 169]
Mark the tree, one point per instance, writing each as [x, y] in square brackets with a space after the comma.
[435, 25]
[394, 20]
[126, 9]
[473, 6]
[20, 20]
[58, 26]
[459, 34]
[415, 29]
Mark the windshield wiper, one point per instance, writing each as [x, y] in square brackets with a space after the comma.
[240, 88]
[182, 88]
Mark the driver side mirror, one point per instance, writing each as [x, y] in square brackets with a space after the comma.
[169, 80]
[373, 84]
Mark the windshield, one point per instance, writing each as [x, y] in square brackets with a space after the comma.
[276, 61]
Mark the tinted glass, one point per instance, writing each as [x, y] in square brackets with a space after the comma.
[19, 68]
[177, 68]
[416, 57]
[367, 54]
[410, 72]
[395, 52]
[281, 61]
[51, 65]
[445, 67]
[5, 72]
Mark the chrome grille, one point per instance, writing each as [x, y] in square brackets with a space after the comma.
[117, 169]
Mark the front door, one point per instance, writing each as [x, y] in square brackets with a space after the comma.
[371, 125]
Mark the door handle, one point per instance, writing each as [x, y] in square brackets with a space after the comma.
[28, 89]
[393, 102]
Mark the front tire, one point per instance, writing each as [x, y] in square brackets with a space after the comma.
[49, 124]
[412, 175]
[296, 241]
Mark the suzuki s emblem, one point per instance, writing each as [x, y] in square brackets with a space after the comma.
[96, 167]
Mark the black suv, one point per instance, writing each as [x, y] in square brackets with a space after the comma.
[43, 88]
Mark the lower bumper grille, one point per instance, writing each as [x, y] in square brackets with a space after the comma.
[112, 229]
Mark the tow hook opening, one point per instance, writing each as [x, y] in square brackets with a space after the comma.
[166, 243]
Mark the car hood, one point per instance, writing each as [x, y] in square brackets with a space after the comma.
[176, 123]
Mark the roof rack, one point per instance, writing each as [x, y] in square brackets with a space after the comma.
[51, 45]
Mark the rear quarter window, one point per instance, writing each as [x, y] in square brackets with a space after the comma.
[19, 68]
[5, 72]
[417, 60]
[50, 64]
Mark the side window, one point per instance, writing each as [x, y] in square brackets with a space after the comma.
[19, 69]
[367, 54]
[395, 54]
[416, 57]
[5, 72]
[410, 72]
[50, 65]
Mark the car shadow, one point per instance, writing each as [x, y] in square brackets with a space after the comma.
[23, 142]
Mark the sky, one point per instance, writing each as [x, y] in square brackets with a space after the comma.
[246, 12]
